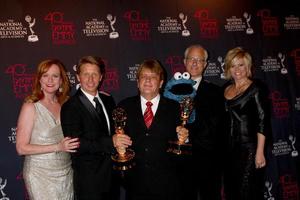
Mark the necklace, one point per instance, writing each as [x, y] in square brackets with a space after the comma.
[238, 90]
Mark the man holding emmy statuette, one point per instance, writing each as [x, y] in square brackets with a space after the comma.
[152, 121]
[207, 131]
[182, 146]
[123, 159]
[87, 116]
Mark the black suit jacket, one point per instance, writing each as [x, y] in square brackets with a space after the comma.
[154, 176]
[206, 130]
[91, 163]
[207, 135]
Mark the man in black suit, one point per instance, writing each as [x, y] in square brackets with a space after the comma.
[154, 176]
[87, 115]
[206, 131]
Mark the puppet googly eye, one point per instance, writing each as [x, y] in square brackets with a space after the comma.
[177, 76]
[186, 75]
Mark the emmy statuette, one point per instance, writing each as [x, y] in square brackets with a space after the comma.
[123, 159]
[179, 147]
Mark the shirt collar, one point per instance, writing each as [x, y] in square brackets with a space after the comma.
[155, 100]
[89, 96]
[198, 80]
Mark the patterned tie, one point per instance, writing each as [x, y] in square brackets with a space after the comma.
[148, 115]
[100, 112]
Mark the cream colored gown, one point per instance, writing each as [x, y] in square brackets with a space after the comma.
[47, 176]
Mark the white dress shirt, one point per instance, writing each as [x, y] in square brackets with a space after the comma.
[154, 102]
[91, 99]
[198, 80]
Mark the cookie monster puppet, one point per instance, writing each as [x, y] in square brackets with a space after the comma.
[181, 86]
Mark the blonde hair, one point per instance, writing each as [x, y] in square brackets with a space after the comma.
[91, 60]
[153, 66]
[43, 67]
[237, 52]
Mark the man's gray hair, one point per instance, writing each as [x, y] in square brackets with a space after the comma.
[198, 46]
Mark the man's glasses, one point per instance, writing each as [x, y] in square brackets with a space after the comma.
[196, 60]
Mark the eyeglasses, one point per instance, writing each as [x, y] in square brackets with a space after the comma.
[196, 60]
[147, 77]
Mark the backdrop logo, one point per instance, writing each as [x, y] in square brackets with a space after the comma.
[139, 28]
[131, 75]
[208, 27]
[21, 80]
[12, 29]
[289, 187]
[185, 32]
[281, 148]
[95, 28]
[175, 63]
[31, 22]
[169, 25]
[249, 29]
[280, 105]
[283, 69]
[72, 78]
[62, 32]
[3, 183]
[270, 64]
[111, 80]
[12, 136]
[234, 24]
[292, 23]
[296, 54]
[112, 20]
[222, 67]
[270, 25]
[268, 195]
[292, 139]
[212, 69]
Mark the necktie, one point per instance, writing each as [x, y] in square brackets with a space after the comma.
[148, 115]
[100, 112]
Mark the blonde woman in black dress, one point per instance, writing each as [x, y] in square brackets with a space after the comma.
[247, 126]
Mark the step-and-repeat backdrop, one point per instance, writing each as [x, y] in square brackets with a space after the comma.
[125, 32]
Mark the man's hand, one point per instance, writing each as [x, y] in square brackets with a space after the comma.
[182, 134]
[121, 140]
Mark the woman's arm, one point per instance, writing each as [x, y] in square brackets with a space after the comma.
[260, 160]
[24, 132]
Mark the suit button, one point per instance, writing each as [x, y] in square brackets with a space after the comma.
[147, 134]
[146, 149]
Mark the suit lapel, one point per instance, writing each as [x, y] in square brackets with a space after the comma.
[88, 105]
[200, 90]
[108, 107]
[140, 114]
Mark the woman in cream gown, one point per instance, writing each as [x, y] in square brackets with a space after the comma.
[47, 168]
